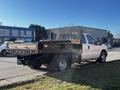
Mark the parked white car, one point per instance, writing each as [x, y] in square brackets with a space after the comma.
[3, 47]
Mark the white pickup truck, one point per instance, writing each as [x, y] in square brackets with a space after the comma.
[61, 54]
[91, 49]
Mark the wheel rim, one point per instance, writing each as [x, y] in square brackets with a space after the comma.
[62, 65]
[103, 57]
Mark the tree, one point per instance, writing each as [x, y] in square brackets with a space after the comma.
[109, 37]
[104, 40]
[40, 32]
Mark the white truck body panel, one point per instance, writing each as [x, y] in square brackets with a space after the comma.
[3, 46]
[91, 50]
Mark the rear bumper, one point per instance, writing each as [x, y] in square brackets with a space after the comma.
[33, 59]
[21, 52]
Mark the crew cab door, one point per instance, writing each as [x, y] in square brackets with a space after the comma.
[85, 50]
[93, 48]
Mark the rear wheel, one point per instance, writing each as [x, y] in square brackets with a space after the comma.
[59, 63]
[4, 53]
[102, 58]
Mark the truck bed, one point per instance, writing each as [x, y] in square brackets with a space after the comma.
[48, 50]
[22, 48]
[46, 46]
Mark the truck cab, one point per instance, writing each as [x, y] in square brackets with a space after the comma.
[91, 48]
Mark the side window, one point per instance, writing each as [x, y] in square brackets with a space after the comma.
[91, 40]
[83, 39]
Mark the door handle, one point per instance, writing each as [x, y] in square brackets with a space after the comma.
[88, 47]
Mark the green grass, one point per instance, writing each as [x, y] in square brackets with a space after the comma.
[86, 77]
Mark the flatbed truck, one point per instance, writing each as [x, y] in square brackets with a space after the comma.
[59, 55]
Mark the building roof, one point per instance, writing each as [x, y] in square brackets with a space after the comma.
[97, 33]
[13, 27]
[77, 27]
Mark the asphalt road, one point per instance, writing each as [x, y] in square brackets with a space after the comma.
[113, 54]
[10, 72]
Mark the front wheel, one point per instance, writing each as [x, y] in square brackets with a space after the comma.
[4, 53]
[102, 58]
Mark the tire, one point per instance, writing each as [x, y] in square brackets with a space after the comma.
[102, 58]
[4, 53]
[59, 63]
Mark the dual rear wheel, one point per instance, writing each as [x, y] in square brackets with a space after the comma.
[60, 63]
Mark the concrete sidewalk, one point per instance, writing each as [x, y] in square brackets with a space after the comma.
[19, 78]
